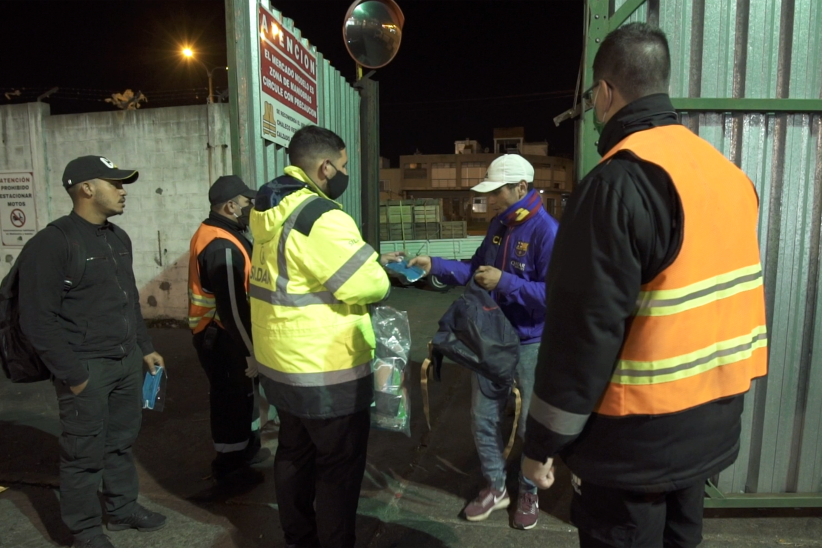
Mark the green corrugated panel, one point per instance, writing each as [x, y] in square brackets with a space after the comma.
[337, 106]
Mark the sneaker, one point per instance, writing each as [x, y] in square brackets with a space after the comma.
[527, 512]
[97, 541]
[142, 519]
[488, 500]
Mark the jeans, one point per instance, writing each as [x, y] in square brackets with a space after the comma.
[486, 418]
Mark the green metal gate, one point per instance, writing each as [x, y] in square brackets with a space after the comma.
[338, 105]
[746, 75]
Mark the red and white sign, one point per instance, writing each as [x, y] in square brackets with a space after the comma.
[288, 76]
[17, 212]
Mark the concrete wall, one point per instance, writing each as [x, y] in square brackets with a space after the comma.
[179, 152]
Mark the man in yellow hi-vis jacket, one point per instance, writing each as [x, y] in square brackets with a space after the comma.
[312, 277]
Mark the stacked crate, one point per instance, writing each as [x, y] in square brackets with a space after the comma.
[452, 230]
[410, 219]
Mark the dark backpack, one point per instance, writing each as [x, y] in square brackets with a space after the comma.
[475, 333]
[20, 361]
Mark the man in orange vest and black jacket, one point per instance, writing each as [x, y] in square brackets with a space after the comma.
[220, 317]
[655, 322]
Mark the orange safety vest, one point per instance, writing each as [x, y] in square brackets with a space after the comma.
[202, 307]
[698, 332]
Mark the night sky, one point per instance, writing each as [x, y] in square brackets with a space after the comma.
[464, 67]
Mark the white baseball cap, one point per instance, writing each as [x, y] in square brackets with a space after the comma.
[506, 170]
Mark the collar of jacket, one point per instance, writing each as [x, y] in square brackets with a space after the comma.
[90, 226]
[523, 210]
[300, 175]
[644, 113]
[215, 219]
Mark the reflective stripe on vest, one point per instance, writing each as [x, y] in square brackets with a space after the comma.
[281, 297]
[202, 307]
[698, 332]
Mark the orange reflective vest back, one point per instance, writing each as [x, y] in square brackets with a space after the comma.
[202, 307]
[698, 332]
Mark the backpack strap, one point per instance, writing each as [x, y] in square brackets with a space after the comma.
[77, 252]
[121, 235]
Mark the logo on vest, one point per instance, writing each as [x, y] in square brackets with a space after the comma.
[522, 249]
[260, 275]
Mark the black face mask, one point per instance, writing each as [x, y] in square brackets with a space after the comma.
[337, 184]
[244, 217]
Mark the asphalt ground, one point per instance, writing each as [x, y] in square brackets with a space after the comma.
[412, 495]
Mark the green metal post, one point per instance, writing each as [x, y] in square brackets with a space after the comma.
[370, 155]
[244, 91]
[598, 29]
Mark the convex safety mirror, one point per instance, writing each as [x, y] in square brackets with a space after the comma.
[373, 31]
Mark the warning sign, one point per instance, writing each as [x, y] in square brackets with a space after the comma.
[288, 78]
[17, 215]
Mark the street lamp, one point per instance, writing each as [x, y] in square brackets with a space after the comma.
[189, 54]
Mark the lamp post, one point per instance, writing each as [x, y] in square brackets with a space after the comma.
[189, 54]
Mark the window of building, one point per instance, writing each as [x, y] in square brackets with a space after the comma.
[508, 146]
[559, 178]
[443, 174]
[542, 177]
[472, 173]
[480, 205]
[384, 186]
[415, 171]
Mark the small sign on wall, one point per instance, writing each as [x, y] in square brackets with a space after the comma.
[18, 222]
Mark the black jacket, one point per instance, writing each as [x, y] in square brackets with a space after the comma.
[232, 302]
[622, 227]
[99, 318]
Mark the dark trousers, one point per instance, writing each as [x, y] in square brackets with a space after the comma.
[615, 518]
[231, 398]
[320, 463]
[99, 427]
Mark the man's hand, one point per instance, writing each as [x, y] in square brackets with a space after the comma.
[488, 277]
[251, 369]
[79, 388]
[393, 257]
[541, 474]
[422, 261]
[152, 361]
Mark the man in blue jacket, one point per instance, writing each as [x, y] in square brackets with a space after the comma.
[512, 264]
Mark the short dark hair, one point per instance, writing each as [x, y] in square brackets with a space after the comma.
[311, 143]
[636, 60]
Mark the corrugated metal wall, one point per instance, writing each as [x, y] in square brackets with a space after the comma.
[338, 110]
[766, 49]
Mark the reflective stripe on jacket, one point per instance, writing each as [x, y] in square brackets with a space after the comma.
[698, 333]
[202, 307]
[312, 278]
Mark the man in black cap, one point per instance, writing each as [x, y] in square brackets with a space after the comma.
[220, 317]
[82, 316]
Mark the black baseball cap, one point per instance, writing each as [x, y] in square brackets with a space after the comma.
[227, 187]
[86, 168]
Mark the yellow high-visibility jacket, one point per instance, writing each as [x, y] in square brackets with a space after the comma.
[312, 277]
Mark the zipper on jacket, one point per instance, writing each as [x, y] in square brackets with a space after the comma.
[116, 277]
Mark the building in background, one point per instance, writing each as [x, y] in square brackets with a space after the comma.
[449, 177]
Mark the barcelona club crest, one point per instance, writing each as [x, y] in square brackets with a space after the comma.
[522, 249]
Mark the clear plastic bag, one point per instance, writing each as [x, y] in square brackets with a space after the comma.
[391, 409]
